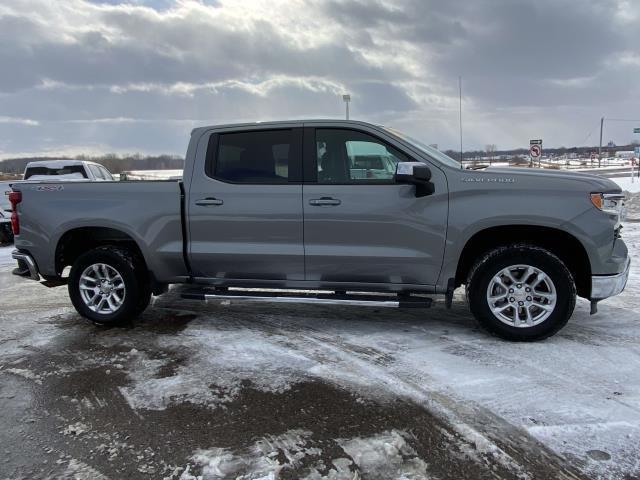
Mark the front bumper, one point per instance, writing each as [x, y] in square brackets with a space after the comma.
[605, 286]
[29, 262]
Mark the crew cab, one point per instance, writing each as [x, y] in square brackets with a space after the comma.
[286, 207]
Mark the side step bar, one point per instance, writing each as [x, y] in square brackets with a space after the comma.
[340, 298]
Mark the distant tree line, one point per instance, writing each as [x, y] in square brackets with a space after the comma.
[114, 163]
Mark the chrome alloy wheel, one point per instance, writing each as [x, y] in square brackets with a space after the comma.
[521, 296]
[102, 288]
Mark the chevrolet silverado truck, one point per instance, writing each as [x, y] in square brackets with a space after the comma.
[286, 211]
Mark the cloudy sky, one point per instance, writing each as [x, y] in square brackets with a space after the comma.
[79, 76]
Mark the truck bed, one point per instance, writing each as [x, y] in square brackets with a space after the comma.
[147, 211]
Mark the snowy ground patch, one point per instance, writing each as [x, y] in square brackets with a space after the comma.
[628, 184]
[5, 255]
[385, 456]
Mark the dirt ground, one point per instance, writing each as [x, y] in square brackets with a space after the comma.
[257, 391]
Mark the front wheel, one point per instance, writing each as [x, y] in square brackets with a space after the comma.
[521, 292]
[109, 285]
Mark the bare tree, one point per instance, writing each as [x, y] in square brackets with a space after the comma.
[491, 150]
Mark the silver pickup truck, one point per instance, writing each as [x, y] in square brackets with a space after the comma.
[291, 209]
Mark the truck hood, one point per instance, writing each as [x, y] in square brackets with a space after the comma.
[595, 183]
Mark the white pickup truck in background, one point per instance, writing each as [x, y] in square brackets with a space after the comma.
[67, 170]
[62, 170]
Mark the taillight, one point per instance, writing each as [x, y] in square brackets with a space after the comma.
[15, 198]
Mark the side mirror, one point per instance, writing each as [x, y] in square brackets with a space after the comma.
[415, 173]
[412, 172]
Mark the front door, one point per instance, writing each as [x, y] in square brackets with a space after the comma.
[360, 226]
[245, 210]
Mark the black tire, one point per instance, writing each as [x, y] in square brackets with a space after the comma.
[6, 235]
[145, 298]
[496, 260]
[134, 275]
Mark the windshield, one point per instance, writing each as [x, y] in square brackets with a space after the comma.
[432, 152]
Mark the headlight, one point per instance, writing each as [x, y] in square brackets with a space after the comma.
[611, 203]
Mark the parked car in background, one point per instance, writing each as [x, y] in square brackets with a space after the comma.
[6, 234]
[67, 170]
[367, 160]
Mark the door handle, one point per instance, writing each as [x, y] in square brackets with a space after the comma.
[324, 201]
[208, 202]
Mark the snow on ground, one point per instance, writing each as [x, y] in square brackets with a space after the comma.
[578, 392]
[5, 255]
[627, 184]
[385, 455]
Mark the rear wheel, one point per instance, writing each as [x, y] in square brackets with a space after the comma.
[109, 285]
[521, 293]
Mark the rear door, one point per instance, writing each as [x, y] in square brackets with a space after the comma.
[359, 225]
[245, 206]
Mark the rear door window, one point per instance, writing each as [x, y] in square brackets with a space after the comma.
[256, 157]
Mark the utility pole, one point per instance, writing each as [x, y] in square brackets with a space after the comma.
[600, 146]
[347, 98]
[460, 99]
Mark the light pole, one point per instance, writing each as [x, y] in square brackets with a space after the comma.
[347, 98]
[600, 145]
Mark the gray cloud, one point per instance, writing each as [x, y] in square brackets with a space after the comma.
[139, 76]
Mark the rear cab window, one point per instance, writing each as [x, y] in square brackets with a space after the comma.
[70, 170]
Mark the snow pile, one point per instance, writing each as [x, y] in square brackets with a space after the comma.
[262, 460]
[24, 373]
[633, 205]
[76, 429]
[385, 455]
[78, 470]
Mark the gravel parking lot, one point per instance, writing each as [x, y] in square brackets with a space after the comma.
[256, 391]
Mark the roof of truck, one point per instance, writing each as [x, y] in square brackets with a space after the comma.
[56, 163]
[336, 121]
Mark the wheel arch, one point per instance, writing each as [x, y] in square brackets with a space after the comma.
[79, 240]
[559, 242]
